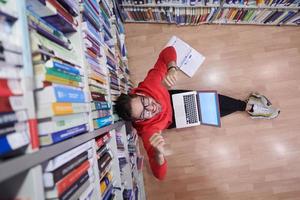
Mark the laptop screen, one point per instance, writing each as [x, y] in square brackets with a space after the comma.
[209, 108]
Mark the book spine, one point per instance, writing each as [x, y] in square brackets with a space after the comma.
[40, 81]
[65, 134]
[100, 113]
[10, 72]
[60, 94]
[78, 187]
[66, 157]
[9, 87]
[13, 141]
[69, 108]
[50, 178]
[100, 105]
[101, 122]
[97, 96]
[13, 117]
[68, 180]
[63, 12]
[87, 194]
[59, 123]
[65, 67]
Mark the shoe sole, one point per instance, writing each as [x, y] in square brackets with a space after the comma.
[264, 117]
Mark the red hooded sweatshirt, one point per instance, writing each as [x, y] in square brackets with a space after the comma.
[152, 86]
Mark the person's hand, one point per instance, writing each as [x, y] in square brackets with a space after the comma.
[171, 77]
[158, 142]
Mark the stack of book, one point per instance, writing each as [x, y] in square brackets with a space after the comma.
[61, 100]
[70, 175]
[106, 186]
[273, 3]
[258, 16]
[97, 72]
[14, 128]
[105, 157]
[170, 2]
[177, 15]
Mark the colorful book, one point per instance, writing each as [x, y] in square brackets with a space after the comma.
[87, 194]
[60, 93]
[100, 105]
[10, 87]
[78, 188]
[59, 136]
[63, 158]
[59, 123]
[12, 103]
[100, 113]
[101, 122]
[7, 119]
[40, 43]
[54, 109]
[50, 178]
[62, 185]
[13, 141]
[15, 127]
[47, 30]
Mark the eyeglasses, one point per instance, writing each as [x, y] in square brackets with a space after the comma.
[146, 113]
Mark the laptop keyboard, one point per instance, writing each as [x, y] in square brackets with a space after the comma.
[190, 109]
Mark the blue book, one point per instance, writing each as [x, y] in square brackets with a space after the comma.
[59, 93]
[100, 105]
[63, 135]
[65, 67]
[13, 141]
[90, 15]
[103, 121]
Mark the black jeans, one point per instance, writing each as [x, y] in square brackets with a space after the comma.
[227, 105]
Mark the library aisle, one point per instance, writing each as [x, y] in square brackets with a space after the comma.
[245, 159]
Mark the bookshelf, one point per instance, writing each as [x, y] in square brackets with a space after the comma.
[190, 12]
[74, 65]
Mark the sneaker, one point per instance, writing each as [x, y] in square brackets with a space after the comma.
[256, 98]
[263, 112]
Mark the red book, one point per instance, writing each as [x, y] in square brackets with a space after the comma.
[10, 87]
[63, 12]
[5, 105]
[63, 184]
[97, 96]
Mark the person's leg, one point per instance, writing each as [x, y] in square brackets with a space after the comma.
[229, 105]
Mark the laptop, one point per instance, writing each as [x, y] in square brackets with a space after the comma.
[196, 108]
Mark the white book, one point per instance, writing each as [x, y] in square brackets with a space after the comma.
[48, 177]
[61, 93]
[54, 193]
[281, 17]
[66, 157]
[17, 102]
[87, 194]
[56, 109]
[10, 72]
[14, 141]
[188, 59]
[59, 123]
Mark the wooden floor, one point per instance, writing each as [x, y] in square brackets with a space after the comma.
[245, 159]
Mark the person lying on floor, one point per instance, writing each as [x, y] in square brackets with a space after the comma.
[149, 107]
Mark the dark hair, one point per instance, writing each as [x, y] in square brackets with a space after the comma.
[123, 106]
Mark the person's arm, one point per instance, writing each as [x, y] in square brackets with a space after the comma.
[166, 60]
[154, 148]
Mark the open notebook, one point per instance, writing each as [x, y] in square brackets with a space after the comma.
[188, 59]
